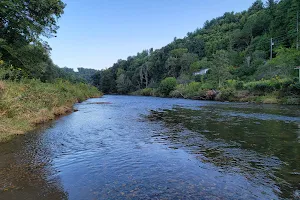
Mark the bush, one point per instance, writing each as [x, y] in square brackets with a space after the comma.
[267, 86]
[292, 101]
[226, 94]
[146, 92]
[294, 88]
[176, 94]
[207, 86]
[167, 85]
[239, 85]
[263, 87]
[190, 90]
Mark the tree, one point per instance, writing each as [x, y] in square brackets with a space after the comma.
[220, 68]
[22, 22]
[177, 53]
[144, 77]
[256, 6]
[196, 45]
[202, 64]
[186, 61]
[123, 84]
[173, 67]
[28, 19]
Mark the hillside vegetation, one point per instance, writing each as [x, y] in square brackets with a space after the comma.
[236, 48]
[33, 89]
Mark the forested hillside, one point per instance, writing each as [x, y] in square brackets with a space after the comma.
[236, 48]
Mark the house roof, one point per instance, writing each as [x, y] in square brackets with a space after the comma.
[297, 67]
[201, 72]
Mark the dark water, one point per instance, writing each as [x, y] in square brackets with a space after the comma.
[153, 148]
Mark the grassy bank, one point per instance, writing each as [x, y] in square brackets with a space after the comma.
[27, 103]
[273, 91]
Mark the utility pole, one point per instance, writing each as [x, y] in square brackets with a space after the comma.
[297, 30]
[298, 68]
[272, 43]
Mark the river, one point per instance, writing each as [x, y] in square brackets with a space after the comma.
[127, 147]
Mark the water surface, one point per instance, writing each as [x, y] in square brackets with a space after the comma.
[153, 148]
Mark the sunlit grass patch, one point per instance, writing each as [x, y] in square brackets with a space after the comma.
[27, 103]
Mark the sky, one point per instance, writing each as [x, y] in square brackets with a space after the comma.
[96, 33]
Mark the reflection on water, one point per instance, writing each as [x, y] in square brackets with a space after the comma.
[26, 171]
[263, 147]
[187, 150]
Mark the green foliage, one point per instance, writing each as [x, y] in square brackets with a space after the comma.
[235, 47]
[21, 25]
[123, 84]
[147, 92]
[86, 74]
[198, 65]
[187, 90]
[267, 86]
[238, 85]
[207, 86]
[294, 88]
[226, 94]
[177, 53]
[167, 85]
[25, 54]
[220, 68]
[28, 19]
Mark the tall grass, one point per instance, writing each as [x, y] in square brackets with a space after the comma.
[27, 103]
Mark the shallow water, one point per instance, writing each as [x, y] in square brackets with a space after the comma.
[153, 148]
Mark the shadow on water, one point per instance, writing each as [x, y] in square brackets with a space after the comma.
[26, 171]
[262, 144]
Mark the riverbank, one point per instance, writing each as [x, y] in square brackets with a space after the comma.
[27, 103]
[244, 96]
[273, 91]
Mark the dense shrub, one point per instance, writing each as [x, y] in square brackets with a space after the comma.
[294, 88]
[167, 85]
[263, 87]
[226, 94]
[239, 85]
[146, 92]
[187, 90]
[207, 86]
[267, 86]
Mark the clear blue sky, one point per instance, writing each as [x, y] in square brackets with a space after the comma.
[96, 33]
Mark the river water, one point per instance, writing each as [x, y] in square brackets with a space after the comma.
[127, 147]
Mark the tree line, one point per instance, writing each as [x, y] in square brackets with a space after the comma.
[235, 46]
[23, 54]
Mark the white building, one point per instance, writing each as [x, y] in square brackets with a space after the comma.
[202, 72]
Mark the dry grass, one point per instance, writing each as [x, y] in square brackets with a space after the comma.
[2, 86]
[41, 116]
[2, 89]
[57, 111]
[270, 100]
[25, 104]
